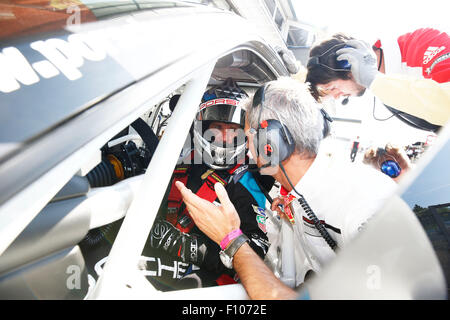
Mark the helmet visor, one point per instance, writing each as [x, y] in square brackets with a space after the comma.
[223, 110]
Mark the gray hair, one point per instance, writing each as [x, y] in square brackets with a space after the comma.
[290, 102]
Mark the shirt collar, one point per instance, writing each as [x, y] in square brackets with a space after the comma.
[312, 175]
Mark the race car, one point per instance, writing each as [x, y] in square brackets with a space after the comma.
[89, 137]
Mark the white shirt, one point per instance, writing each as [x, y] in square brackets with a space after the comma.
[343, 196]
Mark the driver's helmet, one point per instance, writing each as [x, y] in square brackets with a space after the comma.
[220, 104]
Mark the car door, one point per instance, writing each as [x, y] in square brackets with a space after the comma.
[48, 204]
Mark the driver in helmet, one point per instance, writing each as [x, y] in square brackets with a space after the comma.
[177, 254]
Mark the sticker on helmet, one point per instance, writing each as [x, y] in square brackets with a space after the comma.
[218, 101]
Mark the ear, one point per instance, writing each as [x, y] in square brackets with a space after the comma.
[273, 145]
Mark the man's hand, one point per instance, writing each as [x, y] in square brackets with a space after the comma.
[289, 59]
[276, 205]
[362, 59]
[280, 210]
[215, 221]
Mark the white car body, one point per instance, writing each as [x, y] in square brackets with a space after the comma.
[126, 65]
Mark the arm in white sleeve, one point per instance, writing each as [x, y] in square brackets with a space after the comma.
[422, 98]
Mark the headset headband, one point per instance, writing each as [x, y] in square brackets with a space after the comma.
[342, 64]
[258, 99]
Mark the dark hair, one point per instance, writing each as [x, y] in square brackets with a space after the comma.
[319, 74]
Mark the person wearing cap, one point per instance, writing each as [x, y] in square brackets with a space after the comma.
[409, 74]
[177, 254]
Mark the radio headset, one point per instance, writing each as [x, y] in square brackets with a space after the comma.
[274, 143]
[389, 167]
[342, 65]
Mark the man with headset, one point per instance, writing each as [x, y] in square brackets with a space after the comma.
[410, 74]
[325, 203]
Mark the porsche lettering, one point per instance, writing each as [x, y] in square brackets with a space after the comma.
[218, 101]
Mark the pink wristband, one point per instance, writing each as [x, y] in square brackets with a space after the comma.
[229, 237]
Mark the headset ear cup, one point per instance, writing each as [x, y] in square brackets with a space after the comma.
[391, 168]
[272, 144]
[274, 147]
[263, 145]
[269, 151]
[281, 139]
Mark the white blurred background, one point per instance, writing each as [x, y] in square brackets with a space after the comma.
[370, 20]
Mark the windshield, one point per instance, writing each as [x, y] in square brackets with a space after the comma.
[429, 198]
[28, 17]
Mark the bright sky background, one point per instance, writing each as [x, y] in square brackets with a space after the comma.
[369, 20]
